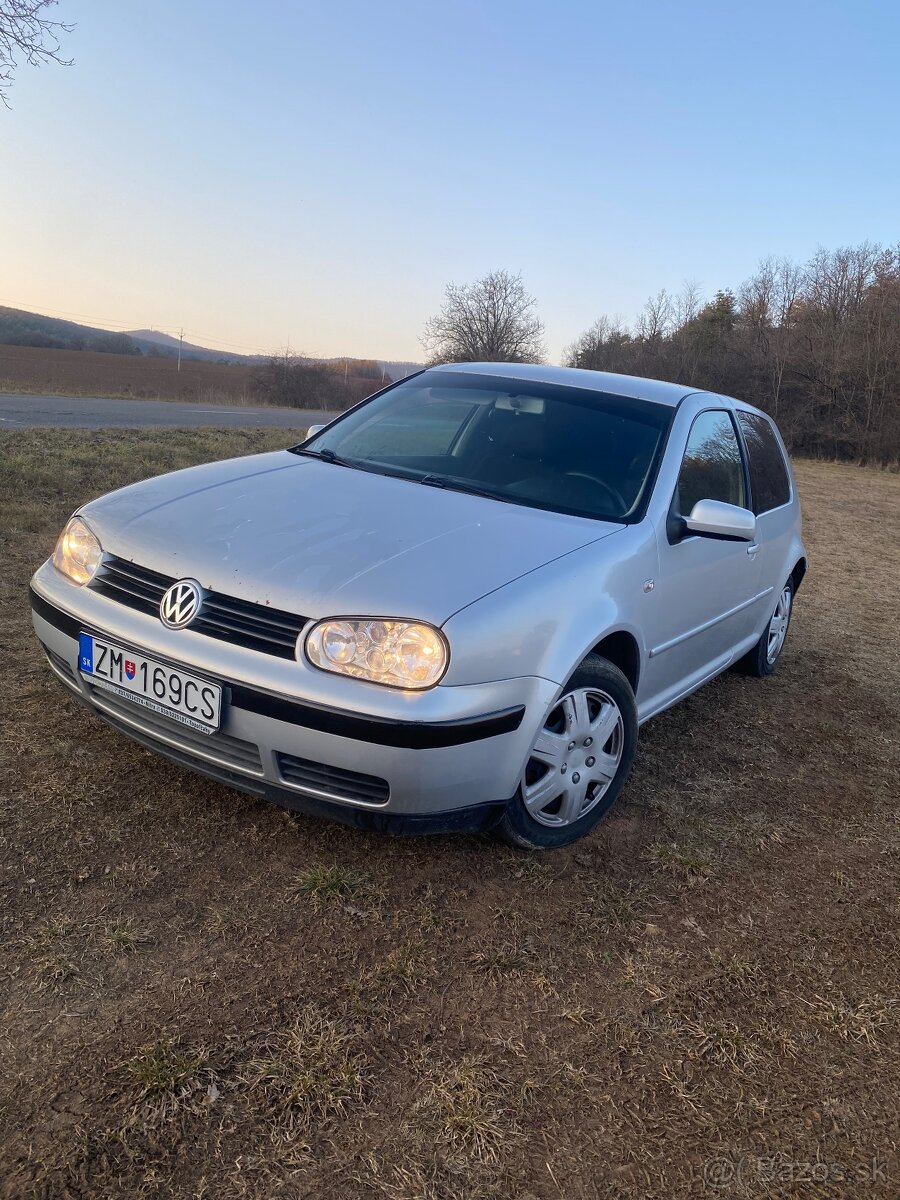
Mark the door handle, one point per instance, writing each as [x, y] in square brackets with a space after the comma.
[753, 548]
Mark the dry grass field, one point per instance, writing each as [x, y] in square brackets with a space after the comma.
[205, 997]
[90, 373]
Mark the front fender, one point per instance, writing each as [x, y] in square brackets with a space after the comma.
[544, 623]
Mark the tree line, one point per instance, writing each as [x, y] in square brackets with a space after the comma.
[300, 382]
[815, 344]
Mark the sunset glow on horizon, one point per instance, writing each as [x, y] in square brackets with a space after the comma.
[312, 177]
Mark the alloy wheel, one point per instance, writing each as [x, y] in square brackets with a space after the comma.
[778, 626]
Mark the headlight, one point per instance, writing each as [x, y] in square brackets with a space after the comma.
[406, 654]
[78, 553]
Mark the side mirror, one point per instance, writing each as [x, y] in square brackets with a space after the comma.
[715, 518]
[313, 430]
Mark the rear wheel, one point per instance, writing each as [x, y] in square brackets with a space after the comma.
[579, 761]
[763, 658]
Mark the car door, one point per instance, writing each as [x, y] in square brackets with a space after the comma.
[706, 585]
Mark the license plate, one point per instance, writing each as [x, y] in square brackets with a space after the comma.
[164, 689]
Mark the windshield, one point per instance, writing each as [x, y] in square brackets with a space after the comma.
[565, 449]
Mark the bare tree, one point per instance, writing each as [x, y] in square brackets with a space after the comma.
[766, 304]
[655, 320]
[28, 35]
[685, 309]
[491, 320]
[686, 304]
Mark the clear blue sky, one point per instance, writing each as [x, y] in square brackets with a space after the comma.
[276, 172]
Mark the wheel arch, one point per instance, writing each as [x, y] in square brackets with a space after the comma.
[798, 573]
[622, 650]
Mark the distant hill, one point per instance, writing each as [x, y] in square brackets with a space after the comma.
[160, 339]
[166, 344]
[21, 328]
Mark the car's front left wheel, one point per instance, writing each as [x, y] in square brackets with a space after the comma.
[579, 761]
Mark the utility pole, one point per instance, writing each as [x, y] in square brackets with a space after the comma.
[180, 340]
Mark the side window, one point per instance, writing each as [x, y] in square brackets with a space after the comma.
[712, 468]
[769, 480]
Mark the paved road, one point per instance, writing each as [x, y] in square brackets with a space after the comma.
[79, 412]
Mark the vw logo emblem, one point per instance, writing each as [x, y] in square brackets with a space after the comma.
[180, 603]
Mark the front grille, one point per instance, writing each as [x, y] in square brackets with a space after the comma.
[241, 622]
[332, 782]
[138, 587]
[213, 747]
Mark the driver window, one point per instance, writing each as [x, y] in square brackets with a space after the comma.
[712, 468]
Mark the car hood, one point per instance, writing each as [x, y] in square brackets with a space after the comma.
[324, 540]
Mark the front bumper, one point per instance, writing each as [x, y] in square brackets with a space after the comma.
[445, 759]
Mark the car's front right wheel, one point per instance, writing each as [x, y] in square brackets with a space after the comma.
[579, 761]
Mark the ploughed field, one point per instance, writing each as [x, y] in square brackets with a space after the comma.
[91, 373]
[204, 996]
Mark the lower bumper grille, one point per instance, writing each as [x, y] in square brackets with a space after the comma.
[219, 747]
[60, 666]
[332, 783]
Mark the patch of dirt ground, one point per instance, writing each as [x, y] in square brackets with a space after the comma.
[205, 997]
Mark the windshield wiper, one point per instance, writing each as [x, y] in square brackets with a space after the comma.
[328, 456]
[457, 485]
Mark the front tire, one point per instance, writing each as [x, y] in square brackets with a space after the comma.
[579, 762]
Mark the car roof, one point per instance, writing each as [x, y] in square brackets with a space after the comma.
[632, 386]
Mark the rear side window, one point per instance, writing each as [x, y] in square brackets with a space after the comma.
[712, 468]
[769, 480]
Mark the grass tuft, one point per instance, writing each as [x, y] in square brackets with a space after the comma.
[405, 969]
[162, 1066]
[327, 884]
[721, 1042]
[312, 1073]
[684, 861]
[122, 937]
[861, 1022]
[533, 870]
[735, 966]
[467, 1108]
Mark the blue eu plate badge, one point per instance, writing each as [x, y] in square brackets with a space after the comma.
[86, 653]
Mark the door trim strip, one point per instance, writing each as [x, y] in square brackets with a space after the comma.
[683, 637]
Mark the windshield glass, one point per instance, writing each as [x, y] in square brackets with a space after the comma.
[566, 449]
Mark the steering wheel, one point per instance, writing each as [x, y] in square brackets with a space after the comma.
[608, 488]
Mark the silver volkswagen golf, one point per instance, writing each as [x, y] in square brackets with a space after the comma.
[450, 608]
